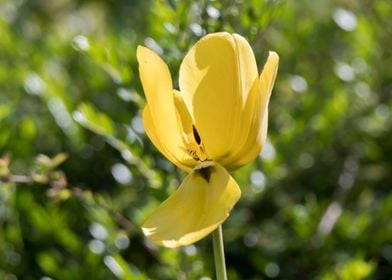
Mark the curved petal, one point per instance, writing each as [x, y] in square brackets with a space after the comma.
[256, 133]
[200, 205]
[247, 67]
[185, 161]
[247, 118]
[215, 78]
[160, 119]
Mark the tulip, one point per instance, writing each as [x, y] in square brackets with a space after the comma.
[215, 123]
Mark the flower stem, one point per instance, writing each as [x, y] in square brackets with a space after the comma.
[219, 254]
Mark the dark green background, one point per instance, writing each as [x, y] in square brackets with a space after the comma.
[316, 204]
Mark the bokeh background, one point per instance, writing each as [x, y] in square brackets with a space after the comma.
[78, 175]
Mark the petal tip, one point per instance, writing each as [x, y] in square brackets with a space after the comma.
[273, 55]
[144, 54]
[139, 51]
[147, 231]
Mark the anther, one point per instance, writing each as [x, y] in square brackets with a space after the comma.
[196, 135]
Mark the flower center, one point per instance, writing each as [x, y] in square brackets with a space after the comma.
[195, 146]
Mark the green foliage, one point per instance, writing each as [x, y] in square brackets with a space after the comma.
[78, 175]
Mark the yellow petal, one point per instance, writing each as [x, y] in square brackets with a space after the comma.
[256, 133]
[215, 78]
[247, 67]
[160, 119]
[185, 162]
[190, 134]
[247, 121]
[200, 205]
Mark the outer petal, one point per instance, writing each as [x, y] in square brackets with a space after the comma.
[257, 131]
[247, 67]
[200, 204]
[160, 119]
[248, 119]
[215, 77]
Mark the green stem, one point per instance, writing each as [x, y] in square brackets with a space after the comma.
[219, 254]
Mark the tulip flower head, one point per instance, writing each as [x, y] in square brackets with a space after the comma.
[215, 123]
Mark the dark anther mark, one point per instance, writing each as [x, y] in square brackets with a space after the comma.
[196, 135]
[205, 172]
[193, 154]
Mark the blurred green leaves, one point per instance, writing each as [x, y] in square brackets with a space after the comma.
[96, 121]
[354, 269]
[317, 202]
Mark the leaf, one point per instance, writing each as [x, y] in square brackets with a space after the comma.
[89, 117]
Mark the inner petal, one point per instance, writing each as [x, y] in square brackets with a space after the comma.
[191, 135]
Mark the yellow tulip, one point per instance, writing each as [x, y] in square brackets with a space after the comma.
[216, 123]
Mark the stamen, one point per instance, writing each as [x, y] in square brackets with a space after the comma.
[196, 135]
[194, 145]
[193, 154]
